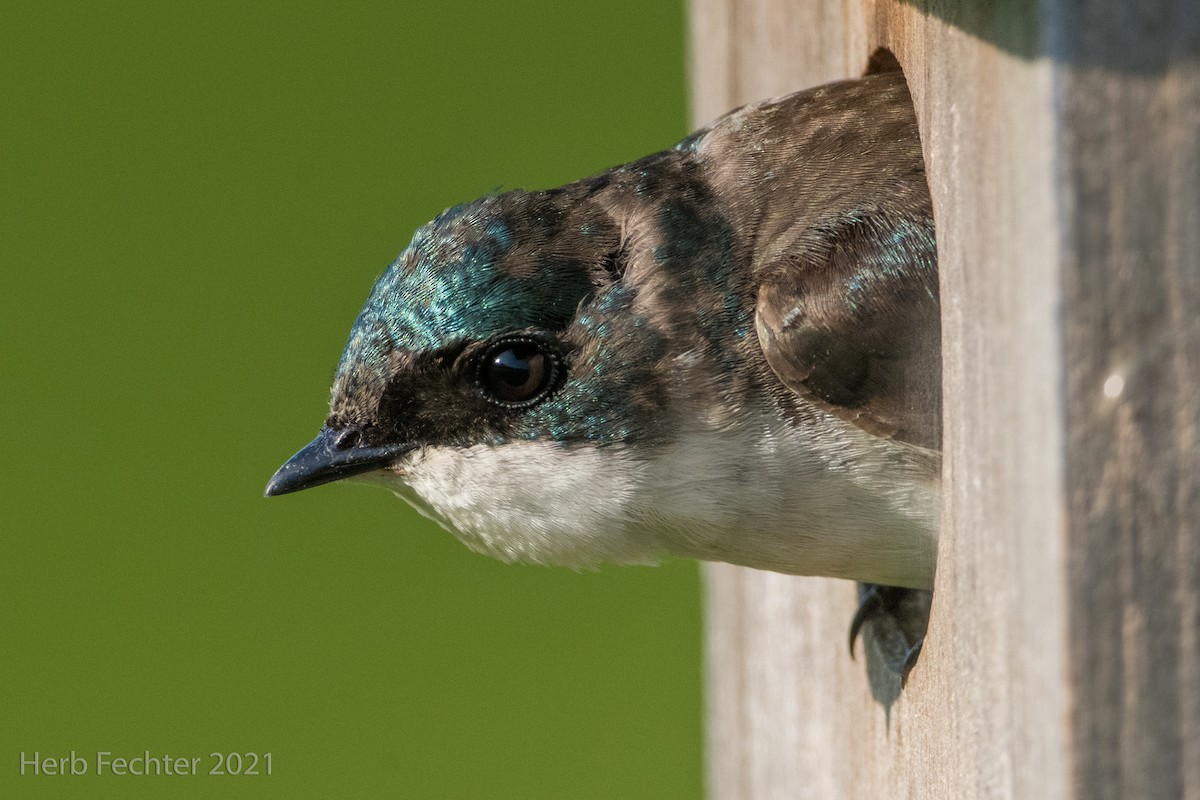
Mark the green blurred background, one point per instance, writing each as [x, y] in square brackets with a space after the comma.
[195, 201]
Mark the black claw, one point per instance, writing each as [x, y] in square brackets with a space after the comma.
[899, 617]
[910, 661]
[870, 603]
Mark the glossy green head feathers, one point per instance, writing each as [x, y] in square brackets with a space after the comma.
[545, 265]
[478, 269]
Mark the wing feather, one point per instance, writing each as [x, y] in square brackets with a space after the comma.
[849, 318]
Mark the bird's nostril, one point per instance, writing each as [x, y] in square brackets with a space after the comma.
[347, 438]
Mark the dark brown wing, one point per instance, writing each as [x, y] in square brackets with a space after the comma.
[828, 187]
[850, 319]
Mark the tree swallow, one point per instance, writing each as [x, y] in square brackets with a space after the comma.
[728, 350]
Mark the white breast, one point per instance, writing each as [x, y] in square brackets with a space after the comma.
[827, 499]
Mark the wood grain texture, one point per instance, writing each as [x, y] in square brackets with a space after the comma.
[1063, 659]
[1130, 176]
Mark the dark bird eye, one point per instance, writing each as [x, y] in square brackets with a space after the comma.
[517, 373]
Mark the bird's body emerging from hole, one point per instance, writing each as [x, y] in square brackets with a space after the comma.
[728, 350]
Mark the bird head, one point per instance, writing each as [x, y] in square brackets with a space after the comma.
[503, 378]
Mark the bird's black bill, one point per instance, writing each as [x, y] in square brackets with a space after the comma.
[333, 455]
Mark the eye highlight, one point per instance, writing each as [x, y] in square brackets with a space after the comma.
[517, 372]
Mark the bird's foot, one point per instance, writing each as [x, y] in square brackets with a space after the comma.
[895, 620]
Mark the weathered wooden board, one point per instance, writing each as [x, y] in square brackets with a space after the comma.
[1063, 658]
